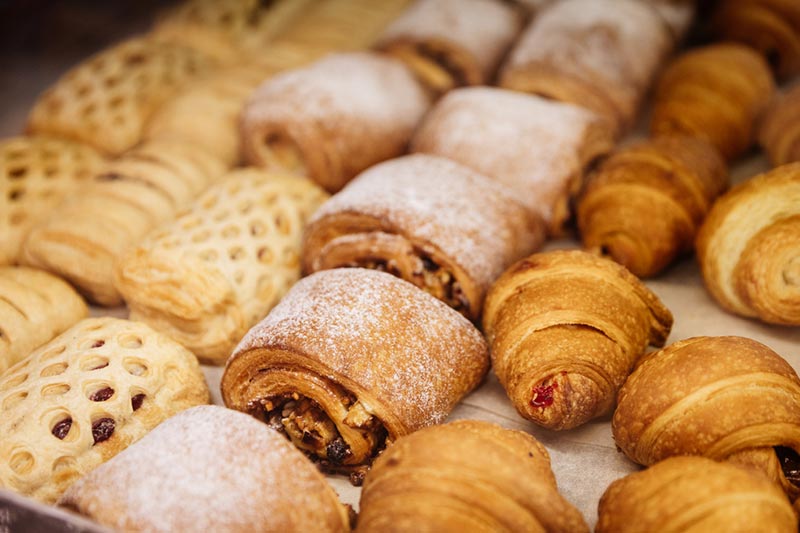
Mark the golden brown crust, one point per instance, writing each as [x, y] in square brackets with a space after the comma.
[563, 363]
[780, 128]
[465, 476]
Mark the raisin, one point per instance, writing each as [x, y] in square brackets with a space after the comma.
[337, 451]
[98, 344]
[137, 401]
[61, 429]
[102, 394]
[102, 429]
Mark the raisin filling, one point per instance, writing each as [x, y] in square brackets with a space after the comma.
[790, 464]
[61, 429]
[102, 429]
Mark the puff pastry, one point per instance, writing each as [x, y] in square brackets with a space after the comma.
[106, 100]
[694, 494]
[172, 480]
[538, 148]
[350, 360]
[130, 196]
[749, 251]
[210, 275]
[715, 93]
[36, 174]
[721, 397]
[34, 308]
[85, 396]
[465, 476]
[428, 220]
[780, 128]
[316, 122]
[645, 203]
[565, 329]
[452, 43]
[598, 55]
[678, 15]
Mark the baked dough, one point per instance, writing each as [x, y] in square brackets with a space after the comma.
[780, 128]
[85, 396]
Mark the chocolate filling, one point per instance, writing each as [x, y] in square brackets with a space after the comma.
[443, 60]
[790, 463]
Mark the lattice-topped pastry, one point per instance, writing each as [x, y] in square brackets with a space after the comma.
[85, 396]
[106, 100]
[217, 270]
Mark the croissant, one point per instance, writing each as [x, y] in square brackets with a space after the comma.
[465, 476]
[645, 203]
[780, 128]
[721, 397]
[565, 329]
[715, 93]
[748, 247]
[683, 494]
[452, 43]
[677, 14]
[350, 360]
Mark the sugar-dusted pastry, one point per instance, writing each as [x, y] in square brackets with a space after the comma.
[694, 494]
[465, 476]
[780, 128]
[565, 329]
[85, 396]
[601, 55]
[34, 307]
[437, 224]
[721, 397]
[537, 147]
[749, 247]
[148, 186]
[350, 360]
[678, 15]
[36, 174]
[770, 26]
[209, 469]
[209, 276]
[106, 100]
[452, 43]
[644, 204]
[317, 122]
[715, 93]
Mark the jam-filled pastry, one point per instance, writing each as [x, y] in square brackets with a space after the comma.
[694, 494]
[209, 276]
[209, 469]
[749, 247]
[715, 93]
[34, 307]
[465, 476]
[36, 174]
[316, 122]
[537, 147]
[148, 186]
[426, 219]
[726, 398]
[350, 360]
[598, 55]
[644, 204]
[85, 396]
[452, 43]
[106, 100]
[779, 133]
[565, 330]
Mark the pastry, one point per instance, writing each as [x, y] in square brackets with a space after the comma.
[316, 122]
[148, 186]
[601, 55]
[85, 396]
[780, 128]
[209, 276]
[34, 308]
[209, 469]
[350, 360]
[538, 148]
[106, 100]
[678, 15]
[565, 329]
[36, 174]
[749, 247]
[694, 494]
[721, 397]
[452, 43]
[715, 93]
[644, 205]
[428, 220]
[465, 476]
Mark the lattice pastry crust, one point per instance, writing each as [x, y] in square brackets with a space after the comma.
[34, 308]
[84, 397]
[217, 270]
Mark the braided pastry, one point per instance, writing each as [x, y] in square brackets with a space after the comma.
[780, 128]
